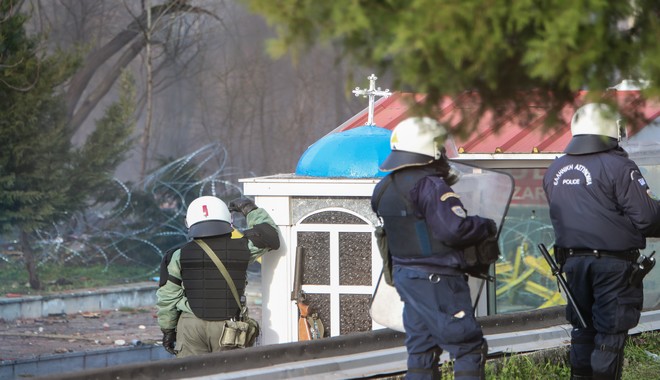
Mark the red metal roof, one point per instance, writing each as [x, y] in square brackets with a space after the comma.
[514, 135]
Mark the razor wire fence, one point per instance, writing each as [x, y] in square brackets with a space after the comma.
[136, 223]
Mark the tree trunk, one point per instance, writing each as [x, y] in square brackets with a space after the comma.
[146, 134]
[78, 86]
[30, 262]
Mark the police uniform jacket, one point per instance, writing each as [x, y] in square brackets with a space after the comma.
[426, 223]
[600, 201]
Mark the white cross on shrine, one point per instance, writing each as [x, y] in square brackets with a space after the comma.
[372, 92]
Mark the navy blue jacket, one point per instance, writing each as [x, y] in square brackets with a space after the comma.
[600, 201]
[435, 228]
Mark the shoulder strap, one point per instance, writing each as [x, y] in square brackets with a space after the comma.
[164, 274]
[222, 269]
[409, 206]
[388, 180]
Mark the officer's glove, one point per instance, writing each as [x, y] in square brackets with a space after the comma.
[169, 340]
[492, 227]
[242, 205]
[478, 258]
[480, 271]
[488, 250]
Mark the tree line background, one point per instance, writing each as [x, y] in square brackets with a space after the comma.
[202, 73]
[100, 95]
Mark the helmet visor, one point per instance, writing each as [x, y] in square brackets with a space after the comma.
[585, 144]
[209, 228]
[398, 159]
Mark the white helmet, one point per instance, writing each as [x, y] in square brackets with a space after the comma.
[415, 141]
[208, 216]
[595, 127]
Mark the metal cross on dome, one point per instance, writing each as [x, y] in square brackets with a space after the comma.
[372, 92]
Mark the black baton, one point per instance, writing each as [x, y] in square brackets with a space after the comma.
[562, 282]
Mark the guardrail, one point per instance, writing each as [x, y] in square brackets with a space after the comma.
[369, 354]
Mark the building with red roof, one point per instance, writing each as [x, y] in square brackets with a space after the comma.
[324, 212]
[514, 136]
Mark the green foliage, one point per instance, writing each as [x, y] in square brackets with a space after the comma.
[32, 128]
[105, 148]
[43, 178]
[642, 357]
[509, 52]
[528, 367]
[641, 362]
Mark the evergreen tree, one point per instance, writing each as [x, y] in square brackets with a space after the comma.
[509, 52]
[43, 178]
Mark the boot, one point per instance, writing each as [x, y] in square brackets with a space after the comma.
[581, 374]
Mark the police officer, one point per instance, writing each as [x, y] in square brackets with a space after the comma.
[427, 228]
[195, 302]
[601, 210]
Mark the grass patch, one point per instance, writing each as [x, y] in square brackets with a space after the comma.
[58, 278]
[547, 364]
[642, 357]
[642, 362]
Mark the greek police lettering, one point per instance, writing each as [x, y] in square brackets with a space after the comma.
[561, 173]
[572, 181]
[585, 171]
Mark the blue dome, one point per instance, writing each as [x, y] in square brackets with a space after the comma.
[355, 153]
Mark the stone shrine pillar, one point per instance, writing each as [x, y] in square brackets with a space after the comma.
[333, 221]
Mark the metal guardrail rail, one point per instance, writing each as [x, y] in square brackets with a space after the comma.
[369, 354]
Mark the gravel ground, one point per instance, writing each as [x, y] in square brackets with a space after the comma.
[82, 332]
[88, 331]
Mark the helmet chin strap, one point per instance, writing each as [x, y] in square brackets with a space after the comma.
[447, 171]
[621, 129]
[453, 177]
[440, 153]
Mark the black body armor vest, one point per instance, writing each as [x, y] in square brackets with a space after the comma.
[407, 232]
[208, 293]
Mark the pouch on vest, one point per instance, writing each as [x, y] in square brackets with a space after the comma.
[381, 241]
[239, 334]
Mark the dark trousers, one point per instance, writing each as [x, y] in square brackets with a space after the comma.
[438, 315]
[610, 307]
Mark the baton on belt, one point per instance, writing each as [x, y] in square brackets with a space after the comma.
[562, 282]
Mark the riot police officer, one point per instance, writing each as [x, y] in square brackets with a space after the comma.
[195, 302]
[601, 210]
[427, 229]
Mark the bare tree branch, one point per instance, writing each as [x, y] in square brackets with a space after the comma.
[79, 112]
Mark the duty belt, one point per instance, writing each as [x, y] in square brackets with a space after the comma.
[629, 255]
